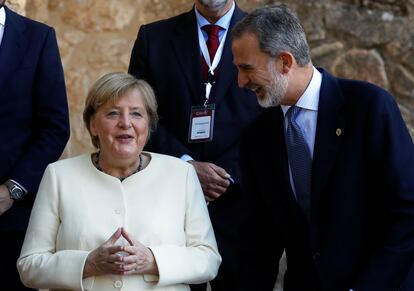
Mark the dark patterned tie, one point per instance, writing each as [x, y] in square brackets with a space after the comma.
[212, 46]
[299, 159]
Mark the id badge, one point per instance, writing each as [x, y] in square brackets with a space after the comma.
[201, 123]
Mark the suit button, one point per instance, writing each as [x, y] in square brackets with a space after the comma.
[316, 256]
[118, 284]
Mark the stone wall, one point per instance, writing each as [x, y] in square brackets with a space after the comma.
[363, 39]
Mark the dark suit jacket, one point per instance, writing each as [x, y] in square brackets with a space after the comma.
[361, 232]
[167, 55]
[33, 112]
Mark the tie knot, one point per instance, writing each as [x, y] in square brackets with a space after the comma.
[292, 113]
[212, 29]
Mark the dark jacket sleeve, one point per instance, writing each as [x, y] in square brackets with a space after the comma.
[392, 152]
[162, 140]
[50, 117]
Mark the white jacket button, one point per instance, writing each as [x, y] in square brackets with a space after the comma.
[118, 284]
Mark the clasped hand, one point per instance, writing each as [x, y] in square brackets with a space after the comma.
[121, 260]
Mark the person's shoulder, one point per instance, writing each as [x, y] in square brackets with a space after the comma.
[168, 162]
[359, 91]
[29, 23]
[72, 162]
[168, 23]
[361, 86]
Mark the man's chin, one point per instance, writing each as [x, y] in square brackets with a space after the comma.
[266, 101]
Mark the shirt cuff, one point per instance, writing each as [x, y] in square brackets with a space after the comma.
[186, 158]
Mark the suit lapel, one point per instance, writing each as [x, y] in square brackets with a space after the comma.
[12, 46]
[329, 132]
[272, 161]
[186, 50]
[226, 70]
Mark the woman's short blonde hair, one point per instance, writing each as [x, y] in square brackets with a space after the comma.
[113, 85]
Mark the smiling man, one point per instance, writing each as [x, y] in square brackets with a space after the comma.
[329, 168]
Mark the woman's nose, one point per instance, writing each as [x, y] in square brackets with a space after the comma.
[125, 121]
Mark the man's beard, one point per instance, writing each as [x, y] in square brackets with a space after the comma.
[276, 90]
[2, 3]
[214, 5]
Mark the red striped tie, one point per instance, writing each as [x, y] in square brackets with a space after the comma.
[212, 45]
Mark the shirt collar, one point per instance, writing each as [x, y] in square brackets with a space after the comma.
[223, 22]
[310, 98]
[2, 16]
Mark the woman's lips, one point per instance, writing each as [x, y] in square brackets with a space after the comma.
[125, 137]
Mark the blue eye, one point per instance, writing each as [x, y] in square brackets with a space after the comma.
[136, 114]
[112, 113]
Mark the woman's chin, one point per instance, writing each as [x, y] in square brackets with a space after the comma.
[125, 153]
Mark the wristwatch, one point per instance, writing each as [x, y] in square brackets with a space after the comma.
[16, 192]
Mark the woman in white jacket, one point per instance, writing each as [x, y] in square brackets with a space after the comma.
[120, 218]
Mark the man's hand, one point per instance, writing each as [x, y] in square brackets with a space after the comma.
[214, 179]
[5, 201]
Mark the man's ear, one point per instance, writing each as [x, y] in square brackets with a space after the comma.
[287, 61]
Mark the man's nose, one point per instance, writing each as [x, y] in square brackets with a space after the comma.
[242, 79]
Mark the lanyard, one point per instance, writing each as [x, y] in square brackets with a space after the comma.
[206, 55]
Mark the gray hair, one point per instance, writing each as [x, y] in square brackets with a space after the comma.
[278, 30]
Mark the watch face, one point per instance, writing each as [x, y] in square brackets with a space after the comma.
[16, 193]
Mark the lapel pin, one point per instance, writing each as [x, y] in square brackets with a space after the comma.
[338, 131]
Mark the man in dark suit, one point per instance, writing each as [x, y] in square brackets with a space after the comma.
[34, 126]
[328, 168]
[171, 55]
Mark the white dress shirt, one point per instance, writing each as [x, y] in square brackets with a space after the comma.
[308, 115]
[2, 23]
[223, 22]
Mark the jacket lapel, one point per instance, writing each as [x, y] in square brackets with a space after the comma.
[226, 70]
[185, 46]
[12, 46]
[329, 132]
[272, 161]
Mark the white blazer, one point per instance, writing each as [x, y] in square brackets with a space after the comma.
[79, 207]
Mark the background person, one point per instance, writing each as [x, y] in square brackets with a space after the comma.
[329, 168]
[172, 56]
[34, 126]
[119, 217]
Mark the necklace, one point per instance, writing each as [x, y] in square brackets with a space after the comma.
[97, 166]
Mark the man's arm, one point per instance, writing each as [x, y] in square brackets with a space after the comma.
[392, 151]
[50, 120]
